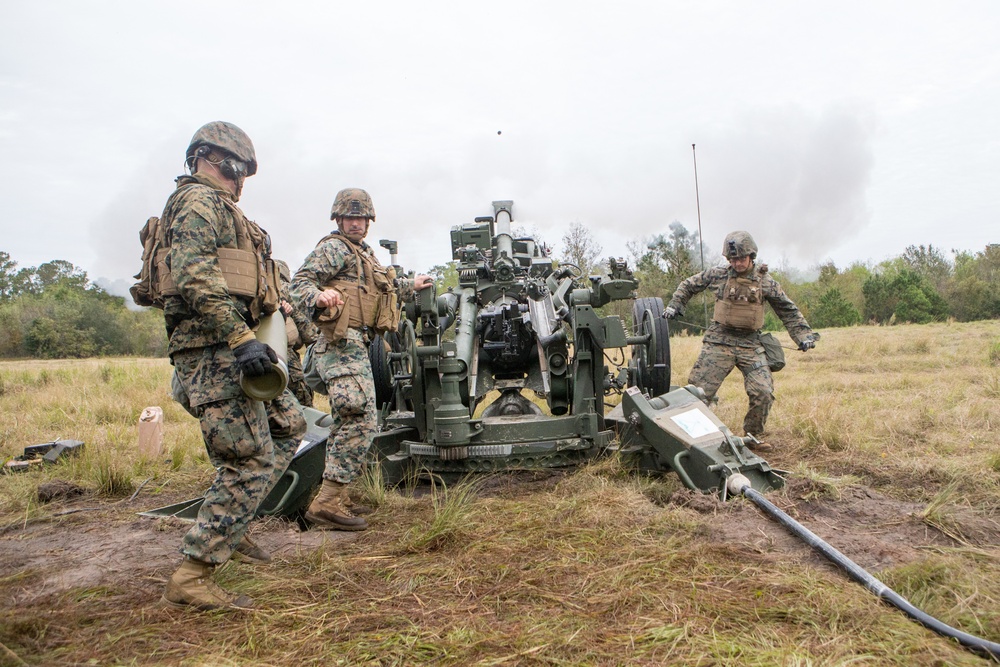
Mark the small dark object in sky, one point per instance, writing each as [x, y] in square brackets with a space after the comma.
[498, 132]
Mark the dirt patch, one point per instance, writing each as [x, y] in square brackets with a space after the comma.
[520, 482]
[89, 548]
[85, 547]
[59, 490]
[873, 530]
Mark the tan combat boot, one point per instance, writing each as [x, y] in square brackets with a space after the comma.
[192, 585]
[328, 512]
[758, 445]
[248, 551]
[355, 508]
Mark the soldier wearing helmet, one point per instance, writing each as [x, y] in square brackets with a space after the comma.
[225, 150]
[211, 311]
[350, 296]
[733, 339]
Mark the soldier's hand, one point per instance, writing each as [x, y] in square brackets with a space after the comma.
[807, 343]
[670, 313]
[286, 308]
[254, 358]
[422, 282]
[329, 298]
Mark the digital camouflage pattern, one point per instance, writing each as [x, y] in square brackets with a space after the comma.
[297, 380]
[344, 366]
[229, 138]
[353, 202]
[307, 335]
[716, 362]
[725, 348]
[333, 259]
[249, 443]
[196, 223]
[347, 372]
[739, 244]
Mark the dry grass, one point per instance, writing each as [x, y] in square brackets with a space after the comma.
[597, 569]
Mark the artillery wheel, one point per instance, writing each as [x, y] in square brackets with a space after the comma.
[651, 361]
[388, 372]
[378, 355]
[407, 336]
[407, 368]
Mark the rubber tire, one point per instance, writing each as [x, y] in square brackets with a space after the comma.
[381, 371]
[651, 361]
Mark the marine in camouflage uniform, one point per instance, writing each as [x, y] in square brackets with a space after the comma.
[301, 333]
[336, 286]
[211, 341]
[733, 338]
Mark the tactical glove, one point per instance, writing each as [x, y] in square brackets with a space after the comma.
[254, 358]
[807, 343]
[670, 313]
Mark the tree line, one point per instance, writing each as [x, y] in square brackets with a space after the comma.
[919, 286]
[55, 311]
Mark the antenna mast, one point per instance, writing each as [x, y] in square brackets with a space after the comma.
[701, 240]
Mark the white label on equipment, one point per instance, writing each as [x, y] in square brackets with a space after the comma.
[695, 423]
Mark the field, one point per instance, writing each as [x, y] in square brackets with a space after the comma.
[890, 435]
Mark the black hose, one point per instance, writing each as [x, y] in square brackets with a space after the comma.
[976, 644]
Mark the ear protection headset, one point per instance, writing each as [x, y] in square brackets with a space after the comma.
[230, 167]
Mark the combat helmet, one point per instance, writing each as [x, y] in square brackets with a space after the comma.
[739, 244]
[227, 137]
[353, 203]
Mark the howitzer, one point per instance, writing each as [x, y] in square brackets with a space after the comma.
[455, 383]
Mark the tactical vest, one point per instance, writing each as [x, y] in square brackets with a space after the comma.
[741, 304]
[370, 300]
[248, 269]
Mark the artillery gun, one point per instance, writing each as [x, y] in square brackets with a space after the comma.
[523, 324]
[454, 385]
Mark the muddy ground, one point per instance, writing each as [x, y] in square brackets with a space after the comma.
[92, 544]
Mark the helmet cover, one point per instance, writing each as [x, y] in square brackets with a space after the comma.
[353, 203]
[226, 137]
[739, 244]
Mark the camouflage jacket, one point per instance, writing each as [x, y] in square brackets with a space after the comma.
[308, 333]
[333, 259]
[196, 222]
[715, 279]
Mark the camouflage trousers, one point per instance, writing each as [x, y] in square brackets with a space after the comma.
[347, 372]
[716, 361]
[297, 381]
[250, 443]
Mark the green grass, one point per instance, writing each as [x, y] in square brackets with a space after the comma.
[599, 567]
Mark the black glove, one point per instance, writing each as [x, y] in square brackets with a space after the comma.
[807, 343]
[254, 358]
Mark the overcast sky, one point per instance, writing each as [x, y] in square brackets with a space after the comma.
[831, 131]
